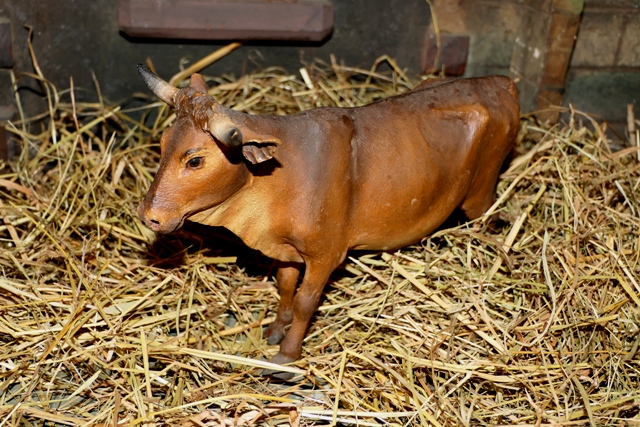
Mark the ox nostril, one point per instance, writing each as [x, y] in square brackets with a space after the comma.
[153, 224]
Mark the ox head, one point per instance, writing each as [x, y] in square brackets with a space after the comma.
[203, 154]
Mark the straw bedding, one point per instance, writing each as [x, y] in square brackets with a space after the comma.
[534, 320]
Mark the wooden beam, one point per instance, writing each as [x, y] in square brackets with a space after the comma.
[226, 20]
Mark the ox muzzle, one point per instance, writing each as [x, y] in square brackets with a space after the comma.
[158, 220]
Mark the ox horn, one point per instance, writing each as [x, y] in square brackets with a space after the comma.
[159, 87]
[224, 130]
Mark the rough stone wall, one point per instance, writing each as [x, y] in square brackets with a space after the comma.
[605, 68]
[492, 26]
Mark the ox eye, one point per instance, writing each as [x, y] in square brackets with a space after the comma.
[195, 163]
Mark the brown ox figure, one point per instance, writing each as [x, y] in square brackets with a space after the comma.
[306, 188]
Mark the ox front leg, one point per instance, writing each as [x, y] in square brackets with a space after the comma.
[287, 279]
[305, 303]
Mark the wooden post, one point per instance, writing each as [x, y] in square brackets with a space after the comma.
[543, 51]
[451, 56]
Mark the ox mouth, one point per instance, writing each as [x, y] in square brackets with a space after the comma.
[178, 225]
[169, 228]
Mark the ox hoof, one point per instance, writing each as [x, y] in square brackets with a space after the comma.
[274, 334]
[280, 360]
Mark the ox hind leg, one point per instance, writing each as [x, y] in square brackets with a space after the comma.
[480, 198]
[287, 280]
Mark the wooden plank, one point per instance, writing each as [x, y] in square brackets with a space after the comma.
[226, 20]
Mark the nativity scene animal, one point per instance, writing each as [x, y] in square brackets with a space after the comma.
[306, 188]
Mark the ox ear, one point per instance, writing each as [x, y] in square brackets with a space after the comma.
[258, 148]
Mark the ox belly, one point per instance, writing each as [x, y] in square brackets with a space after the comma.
[405, 220]
[418, 188]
